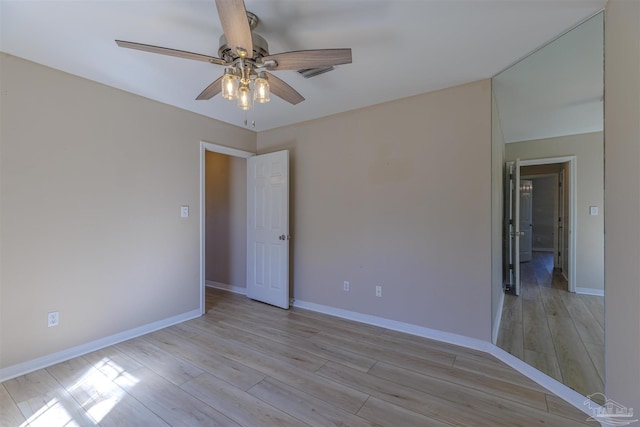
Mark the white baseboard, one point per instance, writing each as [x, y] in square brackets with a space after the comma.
[394, 325]
[570, 396]
[225, 287]
[497, 319]
[590, 291]
[556, 387]
[64, 355]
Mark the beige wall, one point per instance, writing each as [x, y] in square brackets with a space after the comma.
[544, 214]
[396, 195]
[226, 219]
[589, 151]
[91, 183]
[622, 222]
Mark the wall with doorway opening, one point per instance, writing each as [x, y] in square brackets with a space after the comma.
[90, 213]
[589, 151]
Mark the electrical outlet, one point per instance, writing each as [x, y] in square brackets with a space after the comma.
[184, 211]
[346, 286]
[378, 291]
[53, 318]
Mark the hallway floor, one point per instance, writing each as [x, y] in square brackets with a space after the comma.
[558, 332]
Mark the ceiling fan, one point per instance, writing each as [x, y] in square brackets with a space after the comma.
[247, 61]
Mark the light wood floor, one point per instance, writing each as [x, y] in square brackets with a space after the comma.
[249, 364]
[558, 332]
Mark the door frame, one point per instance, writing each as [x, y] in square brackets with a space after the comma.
[573, 214]
[216, 148]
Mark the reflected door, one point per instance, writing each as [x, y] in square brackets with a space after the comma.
[268, 228]
[512, 218]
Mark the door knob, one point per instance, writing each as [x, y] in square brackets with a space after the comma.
[284, 237]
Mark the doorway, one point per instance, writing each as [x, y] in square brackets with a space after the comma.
[265, 218]
[223, 218]
[564, 235]
[548, 213]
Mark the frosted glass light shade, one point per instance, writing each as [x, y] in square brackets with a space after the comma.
[244, 97]
[261, 89]
[229, 85]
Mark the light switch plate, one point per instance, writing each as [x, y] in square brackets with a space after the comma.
[184, 211]
[593, 210]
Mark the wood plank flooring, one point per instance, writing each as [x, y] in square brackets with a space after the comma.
[558, 332]
[250, 364]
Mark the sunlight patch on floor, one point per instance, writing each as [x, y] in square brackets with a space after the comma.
[96, 392]
[53, 413]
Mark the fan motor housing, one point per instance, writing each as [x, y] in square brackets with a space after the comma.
[260, 48]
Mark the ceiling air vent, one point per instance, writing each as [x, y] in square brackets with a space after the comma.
[307, 73]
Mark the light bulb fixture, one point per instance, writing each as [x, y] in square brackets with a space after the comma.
[244, 97]
[261, 88]
[243, 84]
[230, 84]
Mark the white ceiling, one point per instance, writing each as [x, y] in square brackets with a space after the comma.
[400, 47]
[557, 90]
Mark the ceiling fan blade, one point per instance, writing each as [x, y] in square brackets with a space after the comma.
[235, 24]
[281, 89]
[170, 52]
[303, 59]
[212, 90]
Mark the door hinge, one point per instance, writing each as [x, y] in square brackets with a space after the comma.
[510, 266]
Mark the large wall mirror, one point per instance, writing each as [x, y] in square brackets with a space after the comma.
[548, 152]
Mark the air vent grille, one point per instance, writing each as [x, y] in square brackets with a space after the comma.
[307, 73]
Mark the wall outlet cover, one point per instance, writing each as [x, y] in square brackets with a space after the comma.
[53, 319]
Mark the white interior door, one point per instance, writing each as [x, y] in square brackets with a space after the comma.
[268, 228]
[514, 234]
[526, 220]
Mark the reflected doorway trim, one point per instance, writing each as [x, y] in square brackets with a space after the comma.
[573, 215]
[204, 147]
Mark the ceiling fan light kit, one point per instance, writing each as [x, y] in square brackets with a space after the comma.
[245, 85]
[245, 56]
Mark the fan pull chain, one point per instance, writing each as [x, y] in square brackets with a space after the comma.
[253, 119]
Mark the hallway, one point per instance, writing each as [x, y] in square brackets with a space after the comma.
[558, 332]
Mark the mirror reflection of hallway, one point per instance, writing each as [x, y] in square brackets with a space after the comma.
[558, 332]
[547, 112]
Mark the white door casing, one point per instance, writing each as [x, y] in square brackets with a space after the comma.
[268, 228]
